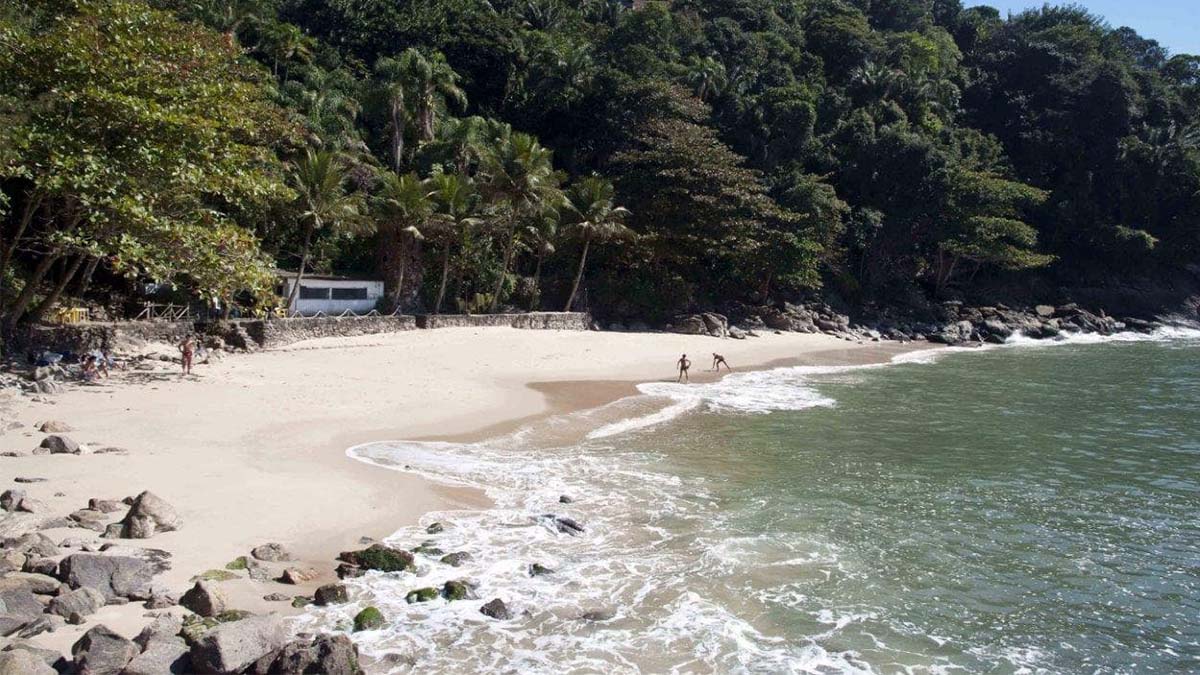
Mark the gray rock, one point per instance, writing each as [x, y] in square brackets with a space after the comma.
[89, 519]
[271, 553]
[106, 505]
[10, 500]
[327, 654]
[62, 445]
[148, 514]
[40, 584]
[102, 652]
[161, 657]
[435, 528]
[14, 525]
[277, 597]
[331, 594]
[496, 609]
[21, 662]
[20, 601]
[1044, 311]
[81, 601]
[114, 576]
[28, 479]
[298, 575]
[455, 559]
[599, 615]
[164, 628]
[204, 599]
[50, 657]
[54, 427]
[230, 647]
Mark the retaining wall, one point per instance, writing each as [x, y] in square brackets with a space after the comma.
[81, 338]
[531, 321]
[279, 332]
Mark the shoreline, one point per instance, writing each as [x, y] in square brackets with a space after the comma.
[252, 449]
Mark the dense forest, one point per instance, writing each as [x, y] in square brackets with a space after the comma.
[636, 160]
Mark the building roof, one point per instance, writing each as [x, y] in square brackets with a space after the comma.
[284, 274]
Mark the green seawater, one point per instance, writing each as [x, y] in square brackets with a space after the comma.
[1021, 508]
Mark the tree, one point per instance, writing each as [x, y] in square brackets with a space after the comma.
[140, 139]
[406, 205]
[592, 216]
[456, 208]
[417, 88]
[323, 201]
[518, 177]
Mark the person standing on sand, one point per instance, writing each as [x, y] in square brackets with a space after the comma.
[683, 364]
[719, 361]
[187, 349]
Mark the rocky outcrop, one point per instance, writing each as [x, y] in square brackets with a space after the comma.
[204, 599]
[102, 652]
[230, 647]
[148, 514]
[708, 323]
[326, 654]
[22, 662]
[113, 576]
[76, 604]
[379, 557]
[161, 657]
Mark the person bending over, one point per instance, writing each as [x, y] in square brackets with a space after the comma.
[719, 361]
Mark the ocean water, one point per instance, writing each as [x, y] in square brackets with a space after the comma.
[1030, 508]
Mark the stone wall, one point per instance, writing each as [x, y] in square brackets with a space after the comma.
[531, 321]
[279, 332]
[118, 337]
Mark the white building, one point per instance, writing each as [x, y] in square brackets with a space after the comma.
[330, 295]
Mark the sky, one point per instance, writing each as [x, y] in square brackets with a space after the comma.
[1175, 24]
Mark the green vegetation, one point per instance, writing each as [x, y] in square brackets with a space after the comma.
[368, 619]
[545, 153]
[215, 575]
[421, 595]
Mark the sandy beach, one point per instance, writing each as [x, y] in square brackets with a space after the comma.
[251, 448]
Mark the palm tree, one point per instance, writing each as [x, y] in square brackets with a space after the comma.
[456, 204]
[542, 229]
[288, 43]
[416, 89]
[519, 178]
[393, 82]
[405, 204]
[707, 76]
[329, 108]
[319, 180]
[591, 216]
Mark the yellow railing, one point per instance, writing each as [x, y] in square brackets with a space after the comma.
[70, 315]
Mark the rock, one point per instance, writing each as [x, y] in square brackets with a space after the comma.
[380, 557]
[114, 576]
[564, 525]
[421, 595]
[102, 652]
[54, 427]
[435, 528]
[737, 333]
[347, 571]
[14, 525]
[539, 570]
[455, 559]
[230, 647]
[717, 325]
[161, 657]
[81, 601]
[160, 598]
[496, 609]
[331, 594]
[89, 520]
[369, 618]
[20, 601]
[301, 601]
[41, 566]
[50, 657]
[457, 590]
[31, 543]
[1044, 311]
[277, 597]
[599, 615]
[61, 445]
[271, 553]
[11, 624]
[565, 499]
[27, 479]
[105, 505]
[148, 514]
[326, 654]
[204, 599]
[163, 628]
[10, 500]
[21, 662]
[258, 571]
[40, 584]
[298, 575]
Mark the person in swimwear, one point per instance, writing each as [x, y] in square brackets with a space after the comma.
[187, 349]
[683, 364]
[719, 361]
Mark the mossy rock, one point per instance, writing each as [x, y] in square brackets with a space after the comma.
[435, 528]
[215, 575]
[380, 557]
[368, 619]
[421, 595]
[194, 626]
[456, 590]
[301, 601]
[428, 549]
[233, 615]
[538, 570]
[238, 563]
[455, 559]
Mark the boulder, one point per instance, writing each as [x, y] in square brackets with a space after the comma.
[161, 657]
[204, 599]
[106, 505]
[81, 602]
[457, 590]
[605, 614]
[455, 559]
[61, 445]
[380, 557]
[737, 333]
[164, 628]
[271, 553]
[40, 584]
[369, 618]
[10, 500]
[331, 594]
[89, 520]
[148, 514]
[539, 570]
[230, 647]
[277, 597]
[326, 654]
[564, 525]
[21, 662]
[1044, 311]
[15, 525]
[689, 325]
[102, 652]
[435, 528]
[54, 427]
[20, 601]
[51, 657]
[421, 595]
[114, 576]
[717, 325]
[496, 609]
[298, 575]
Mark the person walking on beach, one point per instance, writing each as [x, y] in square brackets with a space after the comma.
[683, 364]
[187, 349]
[719, 361]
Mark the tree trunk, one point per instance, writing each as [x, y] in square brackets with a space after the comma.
[578, 274]
[397, 133]
[400, 280]
[508, 251]
[31, 207]
[300, 275]
[437, 305]
[535, 301]
[50, 300]
[85, 281]
[31, 286]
